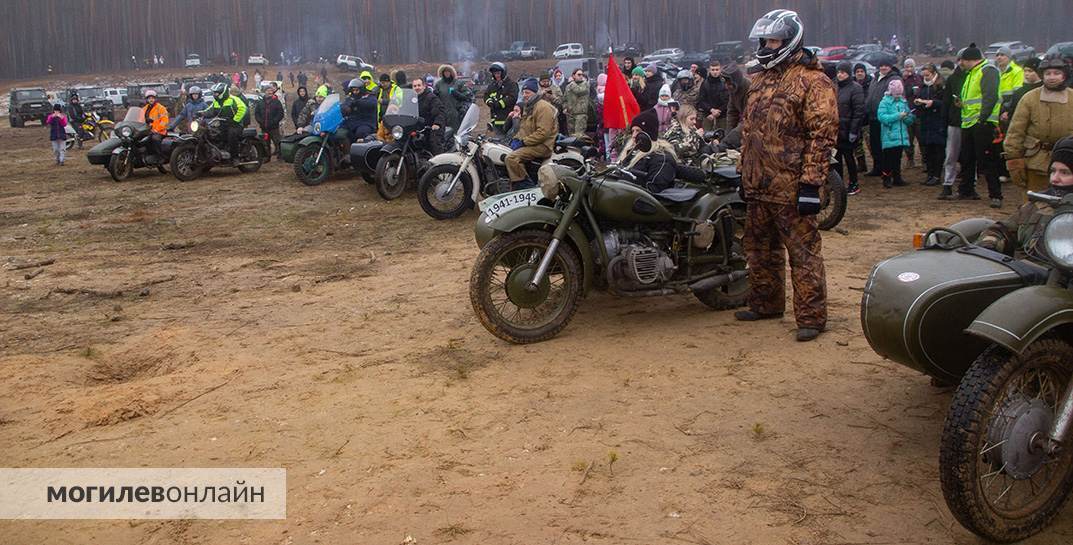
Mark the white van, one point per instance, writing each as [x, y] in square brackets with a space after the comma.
[569, 51]
[193, 60]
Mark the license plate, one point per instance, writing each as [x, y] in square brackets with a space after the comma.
[494, 207]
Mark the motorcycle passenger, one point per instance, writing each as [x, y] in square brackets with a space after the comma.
[359, 110]
[650, 159]
[194, 104]
[683, 133]
[1023, 231]
[501, 96]
[231, 110]
[305, 117]
[430, 109]
[76, 116]
[156, 116]
[536, 135]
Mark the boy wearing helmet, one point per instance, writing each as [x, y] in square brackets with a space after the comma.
[789, 127]
[500, 96]
[156, 116]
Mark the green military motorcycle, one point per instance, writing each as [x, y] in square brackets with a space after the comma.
[1002, 329]
[543, 249]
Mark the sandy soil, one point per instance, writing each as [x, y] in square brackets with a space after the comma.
[247, 320]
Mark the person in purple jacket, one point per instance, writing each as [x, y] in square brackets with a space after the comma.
[57, 132]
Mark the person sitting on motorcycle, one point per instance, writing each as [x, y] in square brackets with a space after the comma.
[76, 116]
[684, 134]
[156, 116]
[1023, 231]
[359, 110]
[430, 109]
[194, 104]
[536, 137]
[650, 160]
[231, 110]
[501, 96]
[305, 117]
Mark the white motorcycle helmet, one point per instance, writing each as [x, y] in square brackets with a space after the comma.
[779, 24]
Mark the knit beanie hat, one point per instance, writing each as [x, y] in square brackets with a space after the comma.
[860, 66]
[638, 71]
[896, 88]
[648, 122]
[1063, 151]
[530, 85]
[846, 67]
[1033, 65]
[972, 53]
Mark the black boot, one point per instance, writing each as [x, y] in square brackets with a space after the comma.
[752, 316]
[888, 182]
[947, 193]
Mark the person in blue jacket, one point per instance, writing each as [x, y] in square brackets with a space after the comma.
[894, 118]
[194, 104]
[359, 110]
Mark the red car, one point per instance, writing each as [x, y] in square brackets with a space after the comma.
[833, 53]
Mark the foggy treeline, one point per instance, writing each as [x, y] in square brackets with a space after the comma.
[79, 36]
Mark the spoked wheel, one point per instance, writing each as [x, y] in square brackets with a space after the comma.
[184, 164]
[832, 202]
[250, 153]
[500, 294]
[309, 169]
[104, 133]
[120, 166]
[390, 179]
[438, 199]
[734, 294]
[998, 477]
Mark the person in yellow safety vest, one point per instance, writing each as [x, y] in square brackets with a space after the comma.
[232, 110]
[1012, 75]
[980, 102]
[367, 77]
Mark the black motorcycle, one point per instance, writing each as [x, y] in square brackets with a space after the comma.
[128, 148]
[404, 159]
[194, 154]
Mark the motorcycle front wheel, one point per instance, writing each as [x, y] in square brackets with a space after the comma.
[120, 167]
[184, 164]
[499, 293]
[390, 185]
[833, 203]
[997, 478]
[248, 152]
[436, 201]
[309, 169]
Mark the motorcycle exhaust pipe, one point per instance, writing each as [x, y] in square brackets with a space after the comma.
[718, 281]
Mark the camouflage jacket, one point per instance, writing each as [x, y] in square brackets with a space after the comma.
[1022, 232]
[789, 127]
[686, 142]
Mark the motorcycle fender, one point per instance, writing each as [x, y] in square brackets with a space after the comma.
[536, 216]
[568, 156]
[457, 159]
[391, 147]
[1017, 319]
[310, 140]
[703, 208]
[262, 149]
[119, 149]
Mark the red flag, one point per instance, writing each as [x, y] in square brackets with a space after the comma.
[620, 106]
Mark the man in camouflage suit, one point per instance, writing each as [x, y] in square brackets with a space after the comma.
[789, 126]
[1023, 231]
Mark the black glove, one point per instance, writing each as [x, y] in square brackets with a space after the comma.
[741, 190]
[808, 199]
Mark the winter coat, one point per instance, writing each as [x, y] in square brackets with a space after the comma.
[430, 108]
[739, 90]
[894, 128]
[1039, 121]
[912, 84]
[56, 123]
[1010, 106]
[454, 95]
[788, 129]
[650, 96]
[553, 94]
[932, 122]
[539, 125]
[686, 96]
[878, 90]
[305, 117]
[75, 112]
[952, 86]
[157, 118]
[189, 111]
[685, 140]
[866, 85]
[713, 94]
[851, 116]
[665, 117]
[270, 113]
[576, 98]
[501, 96]
[360, 114]
[299, 105]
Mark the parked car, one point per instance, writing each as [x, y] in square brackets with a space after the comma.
[257, 59]
[1063, 49]
[629, 49]
[874, 58]
[93, 99]
[672, 54]
[136, 95]
[833, 53]
[569, 51]
[699, 58]
[28, 104]
[729, 51]
[193, 60]
[1020, 51]
[117, 95]
[352, 63]
[530, 53]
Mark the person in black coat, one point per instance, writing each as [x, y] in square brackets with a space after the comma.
[270, 116]
[851, 120]
[951, 114]
[299, 104]
[928, 107]
[653, 81]
[430, 109]
[713, 98]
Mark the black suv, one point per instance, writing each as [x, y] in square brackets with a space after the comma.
[28, 104]
[629, 49]
[729, 51]
[136, 95]
[93, 100]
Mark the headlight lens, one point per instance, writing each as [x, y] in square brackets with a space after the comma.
[1058, 239]
[396, 132]
[194, 126]
[316, 127]
[125, 132]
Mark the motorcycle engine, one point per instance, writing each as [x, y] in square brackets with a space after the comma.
[636, 261]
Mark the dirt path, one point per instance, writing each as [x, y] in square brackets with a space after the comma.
[252, 321]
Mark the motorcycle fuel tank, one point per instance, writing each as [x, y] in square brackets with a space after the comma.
[496, 153]
[620, 201]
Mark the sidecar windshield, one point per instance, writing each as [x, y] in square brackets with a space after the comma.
[135, 115]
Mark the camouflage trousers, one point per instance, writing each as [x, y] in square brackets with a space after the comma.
[771, 231]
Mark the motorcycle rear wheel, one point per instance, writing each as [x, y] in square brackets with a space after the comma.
[833, 205]
[986, 461]
[184, 164]
[308, 169]
[120, 167]
[434, 180]
[388, 185]
[498, 296]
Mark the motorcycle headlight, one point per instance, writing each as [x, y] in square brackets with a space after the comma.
[194, 126]
[126, 132]
[1058, 240]
[316, 127]
[396, 132]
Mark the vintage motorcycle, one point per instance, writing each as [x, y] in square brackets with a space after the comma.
[406, 157]
[195, 153]
[456, 180]
[324, 151]
[128, 148]
[543, 249]
[1002, 329]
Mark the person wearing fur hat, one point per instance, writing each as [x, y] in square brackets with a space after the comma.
[895, 118]
[979, 101]
[1043, 116]
[453, 94]
[1020, 234]
[535, 140]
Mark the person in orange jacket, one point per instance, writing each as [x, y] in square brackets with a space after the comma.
[156, 116]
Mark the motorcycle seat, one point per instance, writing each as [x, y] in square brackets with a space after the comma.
[249, 132]
[677, 194]
[728, 172]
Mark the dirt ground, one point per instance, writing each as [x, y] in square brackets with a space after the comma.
[250, 321]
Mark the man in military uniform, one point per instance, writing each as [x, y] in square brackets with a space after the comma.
[1023, 231]
[789, 127]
